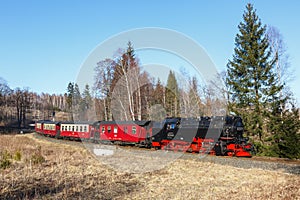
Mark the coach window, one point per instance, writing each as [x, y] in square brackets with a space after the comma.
[80, 129]
[85, 129]
[103, 129]
[108, 129]
[73, 128]
[115, 129]
[133, 130]
[76, 128]
[125, 129]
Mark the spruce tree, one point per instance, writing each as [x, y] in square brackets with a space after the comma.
[172, 96]
[253, 87]
[85, 104]
[158, 95]
[70, 95]
[286, 137]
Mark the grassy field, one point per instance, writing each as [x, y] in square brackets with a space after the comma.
[38, 169]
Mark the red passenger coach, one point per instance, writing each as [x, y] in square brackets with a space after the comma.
[76, 130]
[51, 128]
[125, 132]
[39, 127]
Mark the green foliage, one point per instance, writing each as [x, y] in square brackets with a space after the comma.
[158, 97]
[37, 157]
[70, 94]
[17, 156]
[85, 103]
[285, 134]
[5, 160]
[252, 84]
[255, 92]
[172, 96]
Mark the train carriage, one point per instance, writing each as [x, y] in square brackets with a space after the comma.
[78, 130]
[39, 127]
[51, 128]
[125, 132]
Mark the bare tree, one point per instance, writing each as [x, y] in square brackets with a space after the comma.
[283, 68]
[102, 85]
[126, 86]
[21, 101]
[5, 92]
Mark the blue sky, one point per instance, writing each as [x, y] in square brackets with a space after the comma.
[44, 43]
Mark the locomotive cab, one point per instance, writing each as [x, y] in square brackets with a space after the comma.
[171, 126]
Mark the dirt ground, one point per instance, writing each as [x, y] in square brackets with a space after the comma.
[37, 169]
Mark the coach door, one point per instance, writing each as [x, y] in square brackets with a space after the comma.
[57, 135]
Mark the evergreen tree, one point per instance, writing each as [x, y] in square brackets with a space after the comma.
[158, 96]
[172, 96]
[286, 137]
[70, 94]
[253, 87]
[86, 103]
[76, 95]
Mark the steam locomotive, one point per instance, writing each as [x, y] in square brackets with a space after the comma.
[218, 135]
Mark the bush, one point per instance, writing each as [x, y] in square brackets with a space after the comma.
[37, 157]
[5, 160]
[17, 156]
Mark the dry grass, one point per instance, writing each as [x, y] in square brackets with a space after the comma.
[69, 172]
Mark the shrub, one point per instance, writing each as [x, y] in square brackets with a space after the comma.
[17, 156]
[37, 157]
[4, 161]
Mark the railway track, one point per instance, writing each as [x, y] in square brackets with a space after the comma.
[264, 163]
